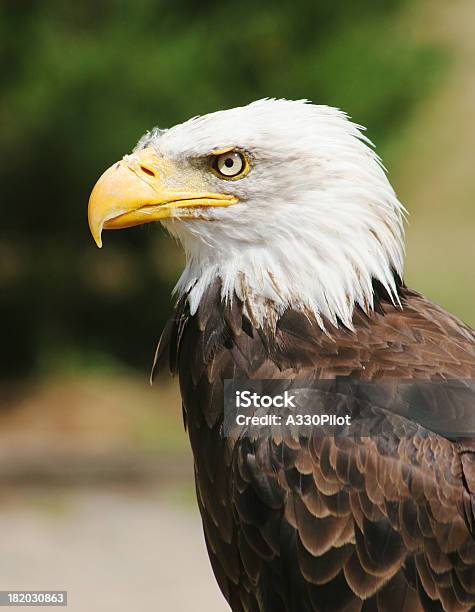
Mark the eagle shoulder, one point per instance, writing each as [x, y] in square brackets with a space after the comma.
[302, 521]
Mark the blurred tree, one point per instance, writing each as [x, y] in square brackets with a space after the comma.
[81, 81]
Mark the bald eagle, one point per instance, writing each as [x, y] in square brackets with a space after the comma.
[294, 243]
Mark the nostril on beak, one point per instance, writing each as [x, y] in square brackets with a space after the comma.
[147, 170]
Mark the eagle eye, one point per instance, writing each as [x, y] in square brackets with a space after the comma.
[230, 165]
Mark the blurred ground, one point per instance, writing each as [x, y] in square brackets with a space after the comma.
[112, 550]
[96, 496]
[90, 428]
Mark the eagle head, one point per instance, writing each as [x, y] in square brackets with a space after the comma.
[284, 201]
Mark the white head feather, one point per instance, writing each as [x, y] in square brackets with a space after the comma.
[317, 219]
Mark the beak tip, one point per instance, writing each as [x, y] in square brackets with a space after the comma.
[97, 237]
[95, 228]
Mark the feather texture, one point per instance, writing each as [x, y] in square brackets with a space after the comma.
[308, 522]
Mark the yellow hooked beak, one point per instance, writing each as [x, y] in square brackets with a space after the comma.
[132, 192]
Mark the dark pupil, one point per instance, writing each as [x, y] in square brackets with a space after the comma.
[229, 162]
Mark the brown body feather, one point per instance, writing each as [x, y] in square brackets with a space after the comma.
[306, 522]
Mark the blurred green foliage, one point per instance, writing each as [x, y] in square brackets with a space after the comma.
[81, 81]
